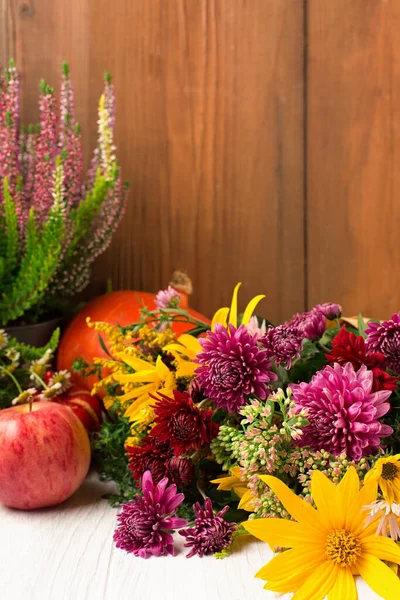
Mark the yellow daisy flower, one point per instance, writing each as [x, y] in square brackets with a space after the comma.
[386, 473]
[226, 315]
[148, 379]
[235, 483]
[328, 546]
[184, 351]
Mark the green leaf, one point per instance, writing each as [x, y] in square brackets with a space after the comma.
[29, 353]
[309, 348]
[37, 267]
[362, 326]
[87, 210]
[11, 230]
[103, 345]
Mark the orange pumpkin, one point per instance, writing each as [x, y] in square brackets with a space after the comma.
[123, 308]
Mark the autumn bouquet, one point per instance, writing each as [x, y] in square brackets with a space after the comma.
[287, 432]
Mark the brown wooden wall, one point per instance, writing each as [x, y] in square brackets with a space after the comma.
[261, 139]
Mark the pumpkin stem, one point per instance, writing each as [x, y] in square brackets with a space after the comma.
[182, 283]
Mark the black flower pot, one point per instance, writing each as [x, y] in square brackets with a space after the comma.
[38, 334]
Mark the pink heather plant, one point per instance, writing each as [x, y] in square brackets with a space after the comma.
[343, 412]
[53, 223]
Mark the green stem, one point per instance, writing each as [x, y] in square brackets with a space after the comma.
[200, 404]
[179, 312]
[40, 380]
[13, 378]
[201, 492]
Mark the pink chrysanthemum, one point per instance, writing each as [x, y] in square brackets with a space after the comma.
[342, 411]
[144, 525]
[255, 328]
[233, 367]
[385, 337]
[168, 298]
[211, 533]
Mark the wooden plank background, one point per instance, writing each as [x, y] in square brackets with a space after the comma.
[260, 138]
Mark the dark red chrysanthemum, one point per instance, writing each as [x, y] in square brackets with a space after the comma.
[383, 381]
[150, 455]
[180, 471]
[348, 347]
[211, 533]
[182, 424]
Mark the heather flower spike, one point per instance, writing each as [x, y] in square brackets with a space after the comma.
[55, 223]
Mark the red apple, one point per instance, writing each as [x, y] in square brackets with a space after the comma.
[86, 407]
[44, 455]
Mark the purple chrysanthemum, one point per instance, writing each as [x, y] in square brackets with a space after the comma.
[144, 525]
[330, 310]
[233, 367]
[385, 338]
[282, 343]
[342, 411]
[211, 533]
[310, 324]
[168, 298]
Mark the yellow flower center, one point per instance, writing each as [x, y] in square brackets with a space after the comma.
[389, 471]
[342, 547]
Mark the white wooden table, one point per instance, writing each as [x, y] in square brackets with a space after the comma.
[67, 553]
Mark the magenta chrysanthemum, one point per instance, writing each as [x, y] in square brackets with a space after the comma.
[330, 310]
[211, 533]
[385, 337]
[310, 324]
[282, 343]
[342, 411]
[144, 525]
[233, 367]
[168, 298]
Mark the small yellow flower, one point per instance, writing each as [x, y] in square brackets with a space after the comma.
[235, 483]
[227, 315]
[3, 338]
[149, 378]
[328, 546]
[132, 441]
[184, 351]
[386, 473]
[156, 339]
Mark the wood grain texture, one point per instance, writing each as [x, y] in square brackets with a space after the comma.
[209, 132]
[67, 553]
[353, 153]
